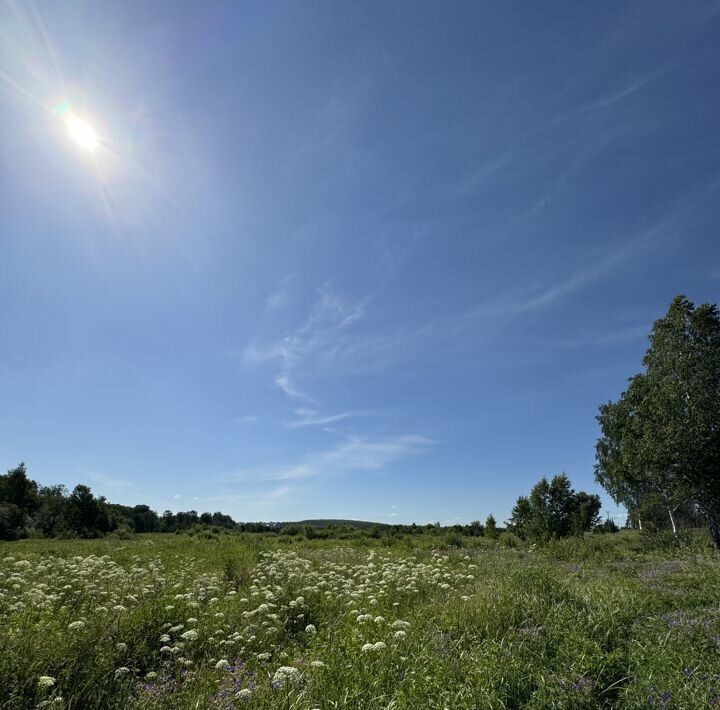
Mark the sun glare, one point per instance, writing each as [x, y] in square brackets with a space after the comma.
[81, 131]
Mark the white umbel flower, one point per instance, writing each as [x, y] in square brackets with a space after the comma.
[287, 676]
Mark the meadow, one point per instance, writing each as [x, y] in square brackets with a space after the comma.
[265, 621]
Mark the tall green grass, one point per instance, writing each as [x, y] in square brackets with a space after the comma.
[172, 621]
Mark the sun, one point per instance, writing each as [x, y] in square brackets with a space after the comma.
[81, 132]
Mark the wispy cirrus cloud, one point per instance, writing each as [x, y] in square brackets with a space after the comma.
[608, 100]
[331, 315]
[355, 454]
[330, 343]
[284, 382]
[309, 417]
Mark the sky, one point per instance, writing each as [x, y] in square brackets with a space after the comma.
[378, 260]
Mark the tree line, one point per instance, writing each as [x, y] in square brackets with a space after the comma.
[28, 509]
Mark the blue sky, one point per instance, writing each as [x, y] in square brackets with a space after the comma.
[370, 260]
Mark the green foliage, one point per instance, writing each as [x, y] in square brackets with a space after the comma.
[607, 526]
[12, 522]
[476, 528]
[662, 437]
[491, 531]
[554, 510]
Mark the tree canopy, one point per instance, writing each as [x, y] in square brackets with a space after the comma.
[661, 438]
[554, 510]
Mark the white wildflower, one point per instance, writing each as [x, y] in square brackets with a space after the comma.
[287, 676]
[400, 624]
[46, 681]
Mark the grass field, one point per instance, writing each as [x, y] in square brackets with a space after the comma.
[173, 621]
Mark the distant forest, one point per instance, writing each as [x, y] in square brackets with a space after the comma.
[28, 509]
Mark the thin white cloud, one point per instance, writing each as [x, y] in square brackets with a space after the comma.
[284, 383]
[279, 298]
[611, 99]
[309, 417]
[355, 454]
[328, 344]
[524, 303]
[330, 315]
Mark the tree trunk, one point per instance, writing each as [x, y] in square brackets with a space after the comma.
[672, 520]
[714, 526]
[639, 524]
